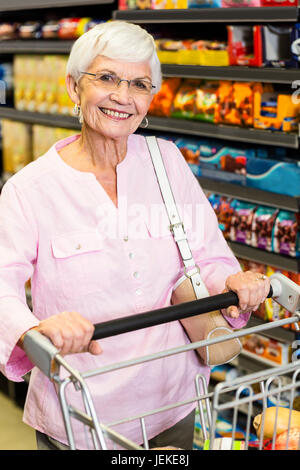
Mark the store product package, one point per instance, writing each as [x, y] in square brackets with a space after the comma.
[224, 209]
[184, 101]
[16, 145]
[282, 177]
[286, 237]
[206, 101]
[275, 111]
[245, 45]
[162, 102]
[267, 348]
[278, 49]
[235, 103]
[263, 228]
[241, 222]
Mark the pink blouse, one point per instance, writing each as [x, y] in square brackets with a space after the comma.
[59, 227]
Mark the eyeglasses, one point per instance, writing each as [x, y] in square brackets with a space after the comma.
[111, 82]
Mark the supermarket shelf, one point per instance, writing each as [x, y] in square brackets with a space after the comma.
[208, 15]
[281, 334]
[262, 363]
[13, 5]
[36, 47]
[268, 74]
[226, 132]
[253, 363]
[185, 126]
[265, 257]
[56, 120]
[256, 196]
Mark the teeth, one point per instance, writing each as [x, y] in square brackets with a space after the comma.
[115, 113]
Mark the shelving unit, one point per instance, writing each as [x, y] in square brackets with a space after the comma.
[238, 73]
[17, 5]
[225, 132]
[211, 15]
[256, 196]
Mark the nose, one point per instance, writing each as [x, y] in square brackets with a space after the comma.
[122, 94]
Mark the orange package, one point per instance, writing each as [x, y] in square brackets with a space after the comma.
[224, 99]
[163, 100]
[235, 104]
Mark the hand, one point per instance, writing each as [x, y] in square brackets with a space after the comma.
[252, 289]
[70, 333]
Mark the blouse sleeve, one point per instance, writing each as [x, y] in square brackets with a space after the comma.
[208, 245]
[18, 251]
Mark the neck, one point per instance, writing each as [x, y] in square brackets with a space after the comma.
[103, 153]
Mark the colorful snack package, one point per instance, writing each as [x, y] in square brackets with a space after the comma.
[225, 213]
[286, 238]
[191, 152]
[163, 100]
[241, 222]
[206, 101]
[224, 101]
[184, 101]
[262, 228]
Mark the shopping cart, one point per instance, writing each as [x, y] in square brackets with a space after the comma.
[245, 396]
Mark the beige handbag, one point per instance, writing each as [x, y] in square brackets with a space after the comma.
[205, 326]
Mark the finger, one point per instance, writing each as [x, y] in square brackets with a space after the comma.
[243, 295]
[53, 333]
[95, 348]
[80, 330]
[233, 312]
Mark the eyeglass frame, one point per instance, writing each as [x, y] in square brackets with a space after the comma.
[120, 79]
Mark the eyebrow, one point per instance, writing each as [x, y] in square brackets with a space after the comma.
[114, 73]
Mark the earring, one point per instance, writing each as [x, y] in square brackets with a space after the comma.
[76, 109]
[146, 123]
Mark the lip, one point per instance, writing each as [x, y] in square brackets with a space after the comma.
[115, 118]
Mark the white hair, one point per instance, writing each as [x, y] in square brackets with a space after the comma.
[117, 40]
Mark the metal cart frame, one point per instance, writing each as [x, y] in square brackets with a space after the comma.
[231, 397]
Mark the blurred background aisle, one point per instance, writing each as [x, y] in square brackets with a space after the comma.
[14, 434]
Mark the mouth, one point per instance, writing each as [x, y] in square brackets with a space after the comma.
[115, 115]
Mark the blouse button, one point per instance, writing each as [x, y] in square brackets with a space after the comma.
[131, 255]
[136, 274]
[138, 292]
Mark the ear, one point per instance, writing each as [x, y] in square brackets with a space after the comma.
[73, 89]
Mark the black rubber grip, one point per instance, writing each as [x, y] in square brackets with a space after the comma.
[165, 315]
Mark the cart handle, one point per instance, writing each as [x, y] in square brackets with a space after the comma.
[167, 314]
[44, 354]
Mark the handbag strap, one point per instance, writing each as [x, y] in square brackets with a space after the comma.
[191, 269]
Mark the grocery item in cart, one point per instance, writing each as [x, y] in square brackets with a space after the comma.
[276, 420]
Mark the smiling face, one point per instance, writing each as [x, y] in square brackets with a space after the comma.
[117, 112]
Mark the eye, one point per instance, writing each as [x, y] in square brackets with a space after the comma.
[106, 77]
[141, 85]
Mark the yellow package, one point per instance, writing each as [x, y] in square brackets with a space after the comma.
[19, 72]
[65, 104]
[52, 64]
[31, 82]
[16, 145]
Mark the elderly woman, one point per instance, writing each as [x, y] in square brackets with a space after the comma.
[76, 221]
